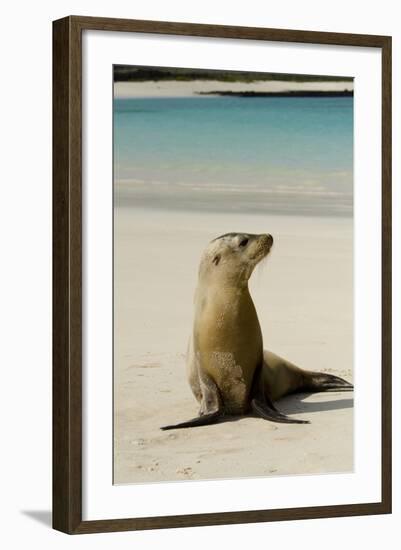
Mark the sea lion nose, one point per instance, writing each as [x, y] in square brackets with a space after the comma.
[268, 239]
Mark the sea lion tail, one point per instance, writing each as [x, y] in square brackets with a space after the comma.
[202, 420]
[264, 410]
[320, 381]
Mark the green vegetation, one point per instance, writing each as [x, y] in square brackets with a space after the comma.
[295, 93]
[141, 74]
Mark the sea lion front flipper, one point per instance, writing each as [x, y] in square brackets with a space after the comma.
[264, 410]
[203, 420]
[210, 410]
[262, 404]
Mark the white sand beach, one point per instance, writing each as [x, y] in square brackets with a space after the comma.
[303, 296]
[174, 88]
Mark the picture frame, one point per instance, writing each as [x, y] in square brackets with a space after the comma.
[68, 222]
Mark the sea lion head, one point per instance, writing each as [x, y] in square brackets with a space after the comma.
[232, 257]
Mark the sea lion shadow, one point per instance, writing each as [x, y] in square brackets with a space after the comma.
[293, 404]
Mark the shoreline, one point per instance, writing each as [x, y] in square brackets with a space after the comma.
[237, 200]
[194, 88]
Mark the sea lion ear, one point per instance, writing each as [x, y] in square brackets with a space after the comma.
[216, 259]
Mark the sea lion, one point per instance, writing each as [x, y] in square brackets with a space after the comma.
[228, 370]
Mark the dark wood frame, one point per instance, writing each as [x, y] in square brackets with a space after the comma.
[67, 278]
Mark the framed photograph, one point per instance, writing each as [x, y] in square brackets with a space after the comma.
[222, 274]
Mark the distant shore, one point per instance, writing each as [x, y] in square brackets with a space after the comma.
[293, 93]
[173, 88]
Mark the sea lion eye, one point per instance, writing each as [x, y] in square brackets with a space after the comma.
[216, 259]
[244, 242]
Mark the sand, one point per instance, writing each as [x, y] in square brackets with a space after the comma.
[303, 295]
[194, 87]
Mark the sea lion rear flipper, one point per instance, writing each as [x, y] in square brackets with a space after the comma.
[321, 381]
[264, 410]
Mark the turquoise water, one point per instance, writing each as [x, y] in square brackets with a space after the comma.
[292, 155]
